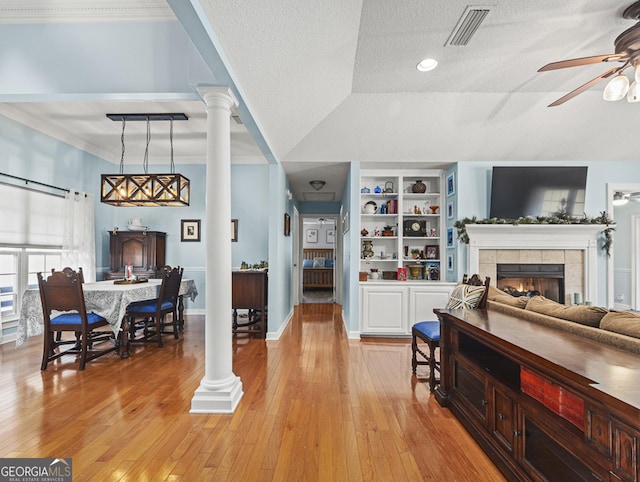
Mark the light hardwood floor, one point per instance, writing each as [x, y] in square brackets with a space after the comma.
[316, 407]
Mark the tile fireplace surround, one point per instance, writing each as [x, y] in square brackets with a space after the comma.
[574, 245]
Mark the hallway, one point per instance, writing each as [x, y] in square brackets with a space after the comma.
[316, 407]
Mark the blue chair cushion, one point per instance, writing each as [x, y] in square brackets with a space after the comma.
[430, 329]
[74, 319]
[328, 263]
[148, 306]
[307, 263]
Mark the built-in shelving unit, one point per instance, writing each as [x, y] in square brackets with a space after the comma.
[401, 224]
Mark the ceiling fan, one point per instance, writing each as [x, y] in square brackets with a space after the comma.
[627, 51]
[621, 198]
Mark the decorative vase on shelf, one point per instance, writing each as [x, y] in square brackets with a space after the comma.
[415, 270]
[419, 187]
[367, 249]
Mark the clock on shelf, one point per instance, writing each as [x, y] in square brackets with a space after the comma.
[415, 227]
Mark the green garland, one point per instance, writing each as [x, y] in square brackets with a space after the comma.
[558, 218]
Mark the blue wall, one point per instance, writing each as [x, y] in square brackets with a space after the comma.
[52, 58]
[351, 251]
[250, 206]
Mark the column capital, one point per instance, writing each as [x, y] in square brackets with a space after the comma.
[217, 95]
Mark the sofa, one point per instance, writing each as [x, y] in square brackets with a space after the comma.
[620, 329]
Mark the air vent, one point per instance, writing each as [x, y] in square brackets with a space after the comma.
[319, 196]
[467, 26]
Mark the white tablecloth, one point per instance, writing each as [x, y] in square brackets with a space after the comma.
[103, 298]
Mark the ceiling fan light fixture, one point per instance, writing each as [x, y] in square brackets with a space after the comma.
[636, 73]
[426, 65]
[617, 88]
[632, 94]
[620, 199]
[317, 184]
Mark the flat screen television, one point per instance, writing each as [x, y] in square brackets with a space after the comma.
[527, 191]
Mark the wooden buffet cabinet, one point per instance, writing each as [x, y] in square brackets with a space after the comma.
[544, 404]
[249, 290]
[145, 250]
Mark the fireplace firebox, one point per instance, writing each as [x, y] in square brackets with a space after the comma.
[532, 279]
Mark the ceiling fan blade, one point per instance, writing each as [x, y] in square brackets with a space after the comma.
[586, 86]
[596, 59]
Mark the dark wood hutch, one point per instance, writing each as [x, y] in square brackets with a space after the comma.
[145, 250]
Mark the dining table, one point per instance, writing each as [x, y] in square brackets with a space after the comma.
[108, 299]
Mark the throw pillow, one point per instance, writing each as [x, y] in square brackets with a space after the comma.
[328, 263]
[307, 263]
[318, 262]
[585, 315]
[622, 322]
[465, 296]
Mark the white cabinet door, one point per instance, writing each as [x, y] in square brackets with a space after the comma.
[384, 309]
[423, 300]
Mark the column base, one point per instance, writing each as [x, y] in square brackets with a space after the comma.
[217, 397]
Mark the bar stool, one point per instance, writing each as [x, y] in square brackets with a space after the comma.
[429, 333]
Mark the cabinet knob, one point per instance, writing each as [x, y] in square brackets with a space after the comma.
[517, 433]
[502, 416]
[484, 403]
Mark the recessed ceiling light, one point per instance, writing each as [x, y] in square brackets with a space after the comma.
[426, 65]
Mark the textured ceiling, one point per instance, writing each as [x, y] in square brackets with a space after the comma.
[335, 81]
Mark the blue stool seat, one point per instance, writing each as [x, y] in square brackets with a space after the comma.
[429, 333]
[430, 329]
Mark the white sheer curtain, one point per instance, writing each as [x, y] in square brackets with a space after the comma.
[78, 243]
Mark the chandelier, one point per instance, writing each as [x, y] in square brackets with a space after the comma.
[145, 189]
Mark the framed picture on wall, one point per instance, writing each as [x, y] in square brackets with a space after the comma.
[450, 210]
[331, 236]
[450, 238]
[312, 235]
[190, 230]
[451, 184]
[449, 262]
[287, 224]
[234, 230]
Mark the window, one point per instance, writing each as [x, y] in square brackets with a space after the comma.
[8, 285]
[30, 241]
[18, 268]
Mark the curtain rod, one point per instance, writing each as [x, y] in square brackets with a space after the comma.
[49, 186]
[34, 182]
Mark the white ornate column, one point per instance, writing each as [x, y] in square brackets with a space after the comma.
[220, 390]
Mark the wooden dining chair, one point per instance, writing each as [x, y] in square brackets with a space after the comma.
[64, 310]
[149, 315]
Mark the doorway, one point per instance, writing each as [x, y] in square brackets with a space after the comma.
[318, 258]
[623, 264]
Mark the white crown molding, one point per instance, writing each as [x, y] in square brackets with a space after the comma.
[49, 11]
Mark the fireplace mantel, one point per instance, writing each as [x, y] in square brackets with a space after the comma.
[583, 237]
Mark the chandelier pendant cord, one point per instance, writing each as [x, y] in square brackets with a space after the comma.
[173, 166]
[122, 142]
[145, 162]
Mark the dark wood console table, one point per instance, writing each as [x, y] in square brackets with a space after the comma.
[249, 291]
[543, 404]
